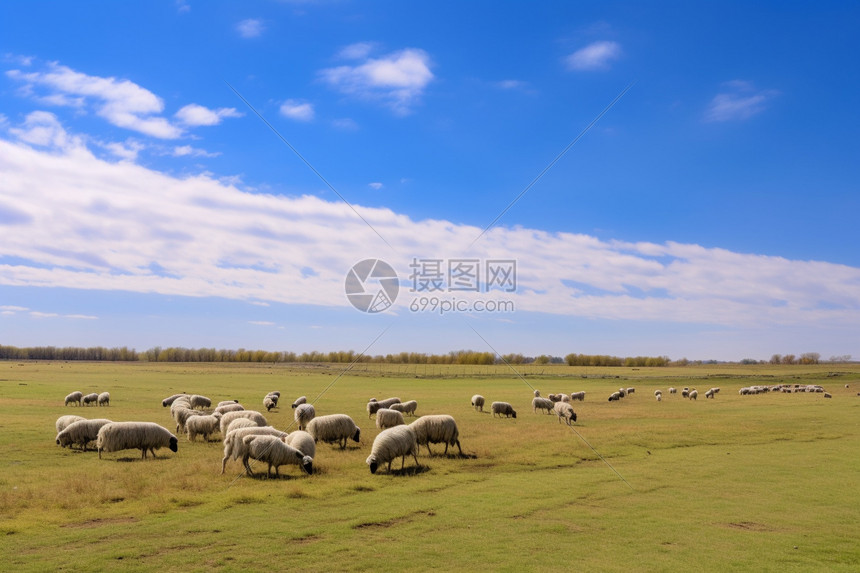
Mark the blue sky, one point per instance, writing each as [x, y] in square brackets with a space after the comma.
[709, 213]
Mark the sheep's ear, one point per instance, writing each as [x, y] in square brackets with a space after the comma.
[373, 467]
[299, 455]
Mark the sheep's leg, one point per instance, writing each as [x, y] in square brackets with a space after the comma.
[459, 448]
[446, 449]
[223, 465]
[429, 453]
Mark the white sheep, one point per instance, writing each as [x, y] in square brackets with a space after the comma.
[578, 395]
[565, 412]
[181, 417]
[198, 401]
[544, 404]
[503, 409]
[693, 394]
[170, 399]
[405, 408]
[375, 405]
[673, 390]
[564, 398]
[234, 446]
[710, 393]
[81, 433]
[226, 403]
[92, 398]
[436, 429]
[659, 397]
[334, 428]
[203, 426]
[658, 394]
[252, 415]
[63, 422]
[104, 399]
[304, 413]
[269, 403]
[241, 423]
[230, 407]
[299, 401]
[275, 452]
[399, 441]
[478, 402]
[615, 396]
[143, 436]
[273, 396]
[386, 418]
[303, 442]
[74, 398]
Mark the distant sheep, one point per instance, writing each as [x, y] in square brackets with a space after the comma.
[104, 399]
[673, 390]
[554, 397]
[92, 398]
[565, 412]
[375, 405]
[537, 393]
[300, 400]
[198, 401]
[396, 442]
[658, 392]
[252, 415]
[827, 395]
[80, 433]
[405, 408]
[226, 403]
[693, 394]
[181, 417]
[234, 446]
[578, 395]
[386, 418]
[304, 413]
[437, 429]
[615, 396]
[631, 390]
[269, 403]
[564, 398]
[544, 404]
[273, 396]
[74, 398]
[503, 409]
[709, 394]
[334, 428]
[685, 393]
[170, 399]
[622, 392]
[274, 452]
[659, 397]
[303, 442]
[478, 402]
[230, 407]
[143, 436]
[63, 422]
[202, 426]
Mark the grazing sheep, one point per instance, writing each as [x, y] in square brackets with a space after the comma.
[273, 396]
[226, 403]
[709, 394]
[405, 407]
[334, 428]
[63, 422]
[241, 423]
[716, 390]
[202, 425]
[81, 433]
[544, 404]
[615, 396]
[554, 397]
[537, 393]
[269, 403]
[622, 392]
[300, 400]
[659, 397]
[74, 398]
[827, 395]
[386, 418]
[143, 436]
[234, 446]
[303, 442]
[503, 409]
[375, 405]
[252, 415]
[658, 392]
[565, 412]
[170, 399]
[631, 390]
[694, 394]
[399, 441]
[182, 415]
[104, 399]
[275, 452]
[685, 393]
[437, 429]
[578, 395]
[564, 398]
[198, 401]
[673, 390]
[478, 402]
[92, 398]
[304, 413]
[231, 407]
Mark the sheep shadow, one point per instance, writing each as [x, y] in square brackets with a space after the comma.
[410, 471]
[453, 456]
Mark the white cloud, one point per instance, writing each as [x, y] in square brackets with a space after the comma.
[357, 51]
[740, 101]
[595, 56]
[397, 79]
[37, 314]
[125, 151]
[298, 110]
[188, 151]
[96, 225]
[345, 124]
[250, 28]
[261, 322]
[44, 129]
[121, 102]
[375, 185]
[81, 316]
[13, 309]
[197, 115]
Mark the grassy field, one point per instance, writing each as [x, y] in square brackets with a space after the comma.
[739, 483]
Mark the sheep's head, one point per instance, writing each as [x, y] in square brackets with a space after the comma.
[174, 444]
[573, 415]
[307, 463]
[372, 462]
[515, 415]
[357, 436]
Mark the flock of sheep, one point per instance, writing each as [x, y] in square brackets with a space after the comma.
[79, 399]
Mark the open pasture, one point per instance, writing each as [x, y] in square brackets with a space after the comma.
[765, 482]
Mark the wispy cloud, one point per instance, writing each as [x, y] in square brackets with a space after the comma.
[261, 322]
[125, 227]
[397, 79]
[595, 56]
[298, 110]
[188, 151]
[739, 101]
[250, 28]
[197, 115]
[42, 128]
[357, 51]
[375, 185]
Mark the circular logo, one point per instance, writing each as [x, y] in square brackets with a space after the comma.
[371, 285]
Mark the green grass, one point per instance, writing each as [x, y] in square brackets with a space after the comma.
[739, 483]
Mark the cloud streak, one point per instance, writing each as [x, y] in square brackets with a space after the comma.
[594, 57]
[739, 101]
